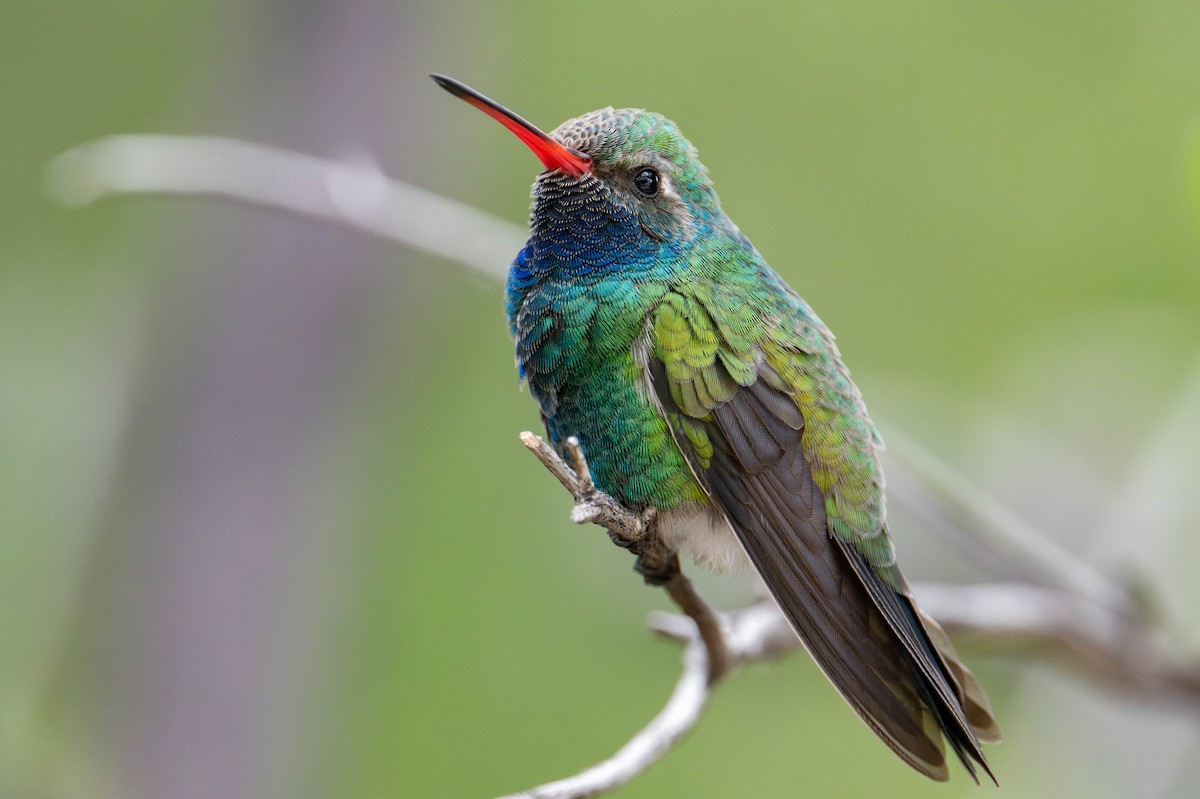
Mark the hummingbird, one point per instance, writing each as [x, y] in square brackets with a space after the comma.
[701, 385]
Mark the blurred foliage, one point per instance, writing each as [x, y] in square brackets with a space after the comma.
[995, 205]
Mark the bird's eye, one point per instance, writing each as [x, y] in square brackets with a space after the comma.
[646, 181]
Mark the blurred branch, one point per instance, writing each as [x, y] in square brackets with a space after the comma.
[1073, 613]
[352, 193]
[1108, 642]
[991, 534]
[1128, 651]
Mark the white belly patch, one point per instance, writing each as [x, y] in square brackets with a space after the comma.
[704, 537]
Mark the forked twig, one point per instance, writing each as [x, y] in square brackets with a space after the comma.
[638, 533]
[1102, 639]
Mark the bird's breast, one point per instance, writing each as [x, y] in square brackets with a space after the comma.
[577, 348]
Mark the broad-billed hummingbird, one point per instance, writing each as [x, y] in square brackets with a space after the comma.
[700, 384]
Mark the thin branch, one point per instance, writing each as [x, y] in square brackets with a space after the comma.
[636, 532]
[664, 732]
[351, 193]
[1073, 631]
[706, 659]
[997, 536]
[708, 623]
[1129, 653]
[626, 527]
[755, 633]
[1104, 641]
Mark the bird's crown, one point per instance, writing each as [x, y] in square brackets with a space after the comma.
[646, 164]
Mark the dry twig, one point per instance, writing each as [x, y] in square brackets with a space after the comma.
[1104, 640]
[636, 532]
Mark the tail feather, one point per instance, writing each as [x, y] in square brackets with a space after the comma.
[974, 701]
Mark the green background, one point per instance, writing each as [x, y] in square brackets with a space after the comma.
[265, 526]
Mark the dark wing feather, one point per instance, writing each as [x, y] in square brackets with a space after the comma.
[865, 635]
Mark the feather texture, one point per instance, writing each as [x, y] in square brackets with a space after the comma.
[865, 633]
[700, 383]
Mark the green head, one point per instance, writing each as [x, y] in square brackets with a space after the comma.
[631, 166]
[647, 166]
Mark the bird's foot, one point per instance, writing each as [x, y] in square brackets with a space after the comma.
[656, 563]
[624, 526]
[628, 529]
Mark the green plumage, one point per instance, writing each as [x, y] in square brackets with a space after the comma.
[701, 384]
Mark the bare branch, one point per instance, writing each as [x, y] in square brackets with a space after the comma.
[992, 534]
[636, 532]
[580, 465]
[553, 463]
[626, 527]
[672, 724]
[708, 623]
[706, 658]
[354, 194]
[1103, 640]
[1129, 653]
[754, 633]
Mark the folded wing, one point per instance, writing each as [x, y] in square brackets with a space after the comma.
[744, 434]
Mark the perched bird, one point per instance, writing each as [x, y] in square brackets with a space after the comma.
[700, 384]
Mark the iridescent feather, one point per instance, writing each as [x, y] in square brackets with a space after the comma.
[701, 384]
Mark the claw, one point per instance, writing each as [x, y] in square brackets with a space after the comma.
[655, 572]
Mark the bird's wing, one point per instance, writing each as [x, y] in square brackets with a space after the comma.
[764, 411]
